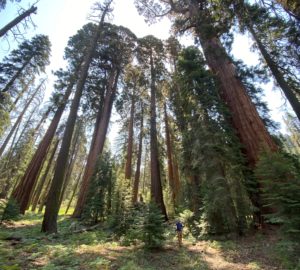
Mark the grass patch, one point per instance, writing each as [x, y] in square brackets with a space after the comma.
[99, 250]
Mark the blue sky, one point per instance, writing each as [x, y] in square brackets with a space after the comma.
[60, 19]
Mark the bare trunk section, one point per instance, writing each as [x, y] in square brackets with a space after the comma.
[4, 191]
[23, 190]
[170, 156]
[245, 118]
[52, 205]
[98, 143]
[71, 165]
[44, 195]
[138, 163]
[25, 89]
[74, 190]
[20, 118]
[17, 20]
[37, 193]
[156, 186]
[288, 92]
[128, 166]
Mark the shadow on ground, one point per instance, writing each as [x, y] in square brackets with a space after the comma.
[97, 250]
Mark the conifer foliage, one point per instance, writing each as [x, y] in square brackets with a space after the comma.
[195, 138]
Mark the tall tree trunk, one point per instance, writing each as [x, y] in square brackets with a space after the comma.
[25, 89]
[5, 168]
[22, 192]
[74, 190]
[69, 171]
[44, 117]
[156, 186]
[44, 195]
[97, 147]
[37, 193]
[288, 92]
[169, 156]
[52, 205]
[17, 20]
[145, 169]
[128, 166]
[245, 118]
[139, 159]
[16, 76]
[19, 119]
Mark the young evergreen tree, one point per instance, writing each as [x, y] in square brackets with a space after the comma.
[96, 207]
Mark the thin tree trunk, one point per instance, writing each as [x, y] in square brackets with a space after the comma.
[169, 156]
[4, 168]
[44, 195]
[144, 172]
[41, 184]
[74, 190]
[52, 205]
[156, 186]
[128, 166]
[17, 20]
[25, 88]
[19, 119]
[24, 188]
[44, 117]
[16, 76]
[139, 159]
[97, 147]
[14, 144]
[71, 165]
[245, 118]
[288, 92]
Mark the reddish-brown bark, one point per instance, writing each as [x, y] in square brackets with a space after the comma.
[245, 118]
[169, 156]
[128, 166]
[22, 192]
[156, 186]
[138, 163]
[37, 192]
[49, 224]
[98, 143]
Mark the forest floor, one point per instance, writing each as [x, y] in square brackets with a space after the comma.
[23, 246]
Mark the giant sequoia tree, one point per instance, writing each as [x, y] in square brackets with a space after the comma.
[208, 25]
[150, 55]
[115, 52]
[52, 204]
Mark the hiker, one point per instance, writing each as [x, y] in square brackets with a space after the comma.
[179, 227]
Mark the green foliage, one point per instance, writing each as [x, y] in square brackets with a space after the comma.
[98, 199]
[210, 153]
[279, 174]
[153, 227]
[123, 211]
[4, 115]
[11, 211]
